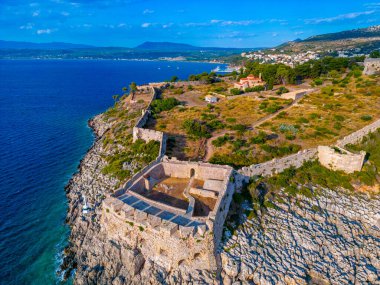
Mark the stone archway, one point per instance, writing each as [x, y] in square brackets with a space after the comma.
[192, 172]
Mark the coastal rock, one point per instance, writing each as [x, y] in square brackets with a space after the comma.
[329, 239]
[96, 256]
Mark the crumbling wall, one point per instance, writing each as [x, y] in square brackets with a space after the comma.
[359, 135]
[297, 94]
[279, 165]
[371, 66]
[340, 159]
[139, 132]
[201, 170]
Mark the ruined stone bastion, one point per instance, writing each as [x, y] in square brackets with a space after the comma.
[174, 211]
[340, 159]
[371, 66]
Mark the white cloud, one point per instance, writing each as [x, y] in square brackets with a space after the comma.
[44, 31]
[238, 23]
[299, 33]
[28, 26]
[64, 13]
[353, 15]
[148, 11]
[224, 23]
[36, 13]
[274, 34]
[146, 25]
[165, 26]
[372, 5]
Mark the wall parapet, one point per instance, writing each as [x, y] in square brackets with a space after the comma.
[340, 159]
[357, 136]
[136, 217]
[278, 165]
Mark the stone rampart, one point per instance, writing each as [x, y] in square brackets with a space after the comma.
[139, 132]
[359, 135]
[340, 159]
[279, 165]
[165, 242]
[133, 215]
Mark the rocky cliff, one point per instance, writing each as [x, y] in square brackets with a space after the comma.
[93, 254]
[333, 238]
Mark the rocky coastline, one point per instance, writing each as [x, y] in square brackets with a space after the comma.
[333, 238]
[330, 239]
[92, 257]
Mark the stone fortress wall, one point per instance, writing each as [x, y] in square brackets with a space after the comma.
[168, 228]
[139, 132]
[358, 135]
[171, 233]
[167, 244]
[371, 66]
[340, 159]
[279, 165]
[330, 158]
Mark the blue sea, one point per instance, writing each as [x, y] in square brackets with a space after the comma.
[44, 109]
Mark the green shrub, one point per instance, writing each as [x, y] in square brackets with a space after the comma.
[260, 138]
[160, 105]
[215, 125]
[282, 90]
[302, 120]
[258, 89]
[220, 141]
[236, 91]
[196, 129]
[219, 89]
[281, 150]
[366, 117]
[318, 81]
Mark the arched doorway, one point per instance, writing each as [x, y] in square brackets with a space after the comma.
[192, 172]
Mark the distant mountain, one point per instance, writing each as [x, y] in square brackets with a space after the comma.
[40, 46]
[178, 47]
[373, 31]
[166, 46]
[365, 39]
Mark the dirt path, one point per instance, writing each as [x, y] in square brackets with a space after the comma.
[210, 148]
[271, 116]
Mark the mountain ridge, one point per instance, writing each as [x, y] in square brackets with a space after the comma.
[41, 46]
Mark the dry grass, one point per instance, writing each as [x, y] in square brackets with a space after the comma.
[324, 117]
[238, 111]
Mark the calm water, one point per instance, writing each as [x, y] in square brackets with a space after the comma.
[44, 108]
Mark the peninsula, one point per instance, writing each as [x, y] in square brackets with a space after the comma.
[245, 177]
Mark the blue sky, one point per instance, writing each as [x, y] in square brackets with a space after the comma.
[204, 23]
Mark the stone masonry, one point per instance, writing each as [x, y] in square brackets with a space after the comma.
[174, 237]
[371, 66]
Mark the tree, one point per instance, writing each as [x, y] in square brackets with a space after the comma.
[375, 54]
[282, 74]
[174, 79]
[133, 87]
[115, 97]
